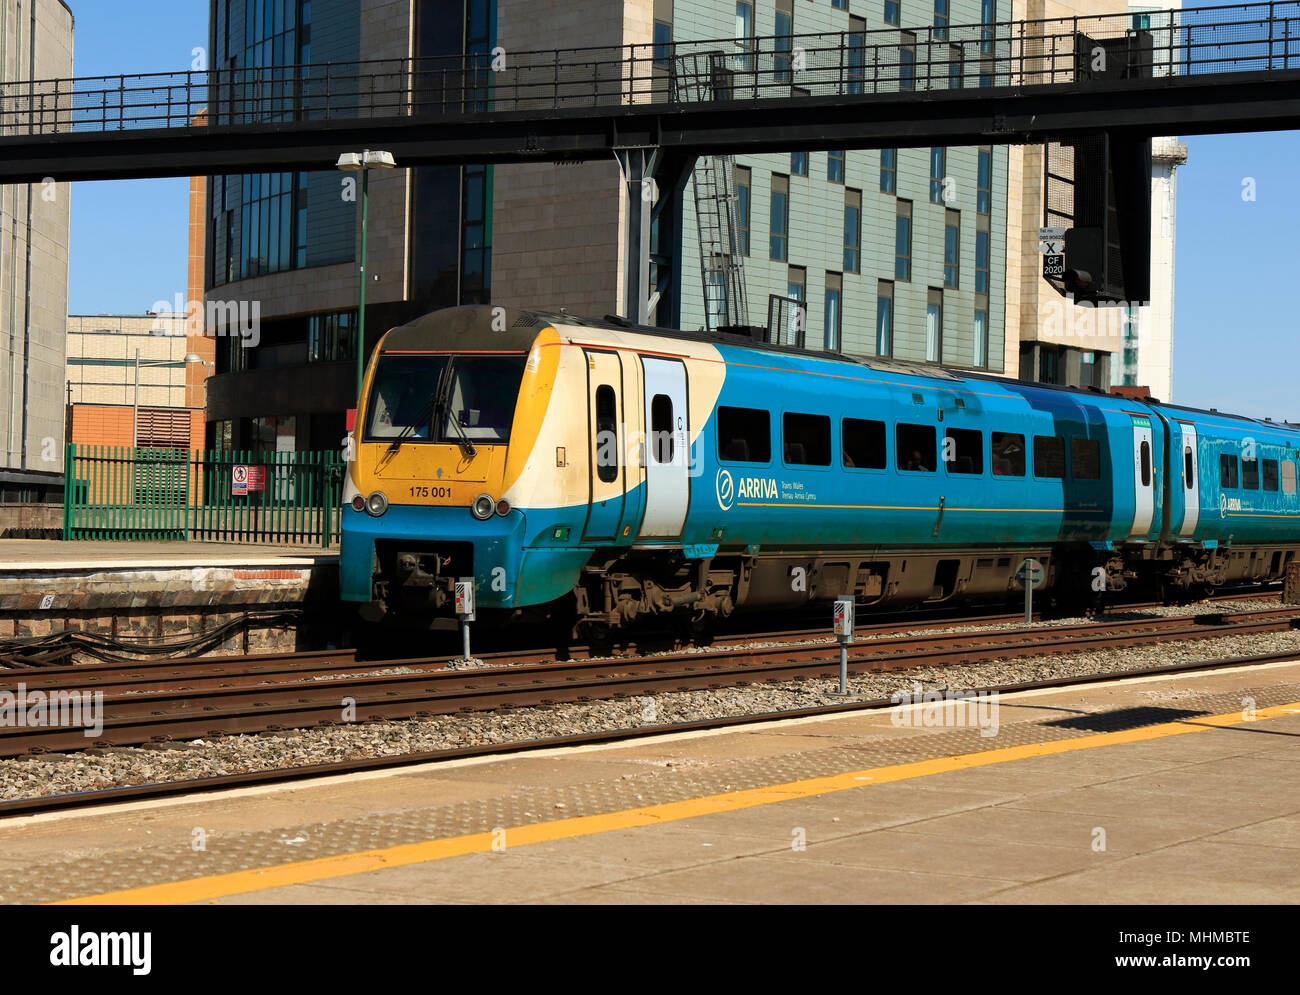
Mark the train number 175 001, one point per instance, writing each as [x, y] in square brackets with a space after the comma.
[430, 492]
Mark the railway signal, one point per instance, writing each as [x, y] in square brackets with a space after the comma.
[843, 625]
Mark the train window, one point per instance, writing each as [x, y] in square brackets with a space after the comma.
[661, 428]
[744, 435]
[1270, 474]
[916, 448]
[1049, 456]
[806, 439]
[963, 450]
[1008, 454]
[1085, 459]
[1227, 470]
[1145, 452]
[864, 443]
[606, 434]
[1250, 474]
[1189, 471]
[1288, 478]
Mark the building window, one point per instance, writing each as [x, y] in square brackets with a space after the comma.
[796, 287]
[268, 229]
[986, 70]
[951, 248]
[856, 54]
[835, 166]
[332, 337]
[938, 170]
[840, 4]
[852, 230]
[934, 326]
[888, 170]
[799, 163]
[884, 318]
[834, 287]
[988, 17]
[941, 19]
[903, 241]
[955, 67]
[778, 244]
[981, 262]
[984, 183]
[742, 209]
[663, 46]
[784, 40]
[1088, 369]
[980, 346]
[907, 61]
[891, 12]
[745, 35]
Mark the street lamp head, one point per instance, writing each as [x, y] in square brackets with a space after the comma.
[354, 161]
[193, 357]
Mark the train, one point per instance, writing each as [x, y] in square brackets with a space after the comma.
[600, 475]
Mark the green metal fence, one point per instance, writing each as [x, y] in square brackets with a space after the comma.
[116, 492]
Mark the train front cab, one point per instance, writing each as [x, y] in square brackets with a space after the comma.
[444, 427]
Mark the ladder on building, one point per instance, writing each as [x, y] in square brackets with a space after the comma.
[703, 76]
[722, 273]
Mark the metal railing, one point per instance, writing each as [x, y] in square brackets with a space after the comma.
[1194, 41]
[116, 492]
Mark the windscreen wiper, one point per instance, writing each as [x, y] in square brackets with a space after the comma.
[426, 409]
[440, 411]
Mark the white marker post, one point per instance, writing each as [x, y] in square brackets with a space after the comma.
[465, 609]
[1030, 575]
[844, 633]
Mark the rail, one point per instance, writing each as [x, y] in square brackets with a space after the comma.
[1169, 45]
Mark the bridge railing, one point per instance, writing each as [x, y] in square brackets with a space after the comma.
[1195, 41]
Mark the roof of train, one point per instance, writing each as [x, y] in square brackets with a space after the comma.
[464, 327]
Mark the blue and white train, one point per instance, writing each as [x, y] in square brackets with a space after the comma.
[602, 472]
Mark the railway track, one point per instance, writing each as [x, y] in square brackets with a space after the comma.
[143, 792]
[157, 702]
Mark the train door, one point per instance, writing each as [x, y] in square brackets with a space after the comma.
[1191, 483]
[605, 431]
[667, 449]
[1144, 477]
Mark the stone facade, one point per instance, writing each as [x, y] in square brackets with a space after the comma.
[34, 235]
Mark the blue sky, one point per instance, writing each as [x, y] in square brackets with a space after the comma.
[1236, 338]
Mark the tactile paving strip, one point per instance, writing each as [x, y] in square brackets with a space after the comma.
[175, 860]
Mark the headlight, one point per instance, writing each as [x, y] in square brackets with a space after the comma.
[377, 503]
[483, 507]
[503, 507]
[358, 503]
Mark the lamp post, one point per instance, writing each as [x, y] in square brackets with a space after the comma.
[190, 357]
[352, 162]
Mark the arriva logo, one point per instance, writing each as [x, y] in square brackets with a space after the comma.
[1223, 506]
[726, 488]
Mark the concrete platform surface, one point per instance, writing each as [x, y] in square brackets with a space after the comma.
[54, 554]
[1156, 790]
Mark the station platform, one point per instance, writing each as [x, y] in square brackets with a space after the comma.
[157, 590]
[1154, 790]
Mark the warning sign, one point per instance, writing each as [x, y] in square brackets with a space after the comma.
[245, 479]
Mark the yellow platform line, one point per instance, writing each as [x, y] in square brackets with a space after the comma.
[344, 865]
